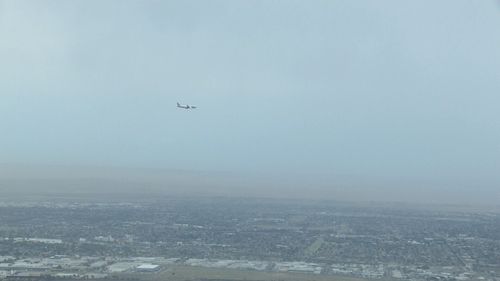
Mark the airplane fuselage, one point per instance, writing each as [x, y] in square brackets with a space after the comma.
[187, 106]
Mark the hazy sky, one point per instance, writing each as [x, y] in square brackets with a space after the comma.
[403, 93]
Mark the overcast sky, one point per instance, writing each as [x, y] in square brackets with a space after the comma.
[394, 94]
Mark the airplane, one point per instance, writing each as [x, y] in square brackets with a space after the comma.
[187, 106]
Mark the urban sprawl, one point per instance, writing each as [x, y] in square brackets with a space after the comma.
[98, 239]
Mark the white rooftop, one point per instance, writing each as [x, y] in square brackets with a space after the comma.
[148, 266]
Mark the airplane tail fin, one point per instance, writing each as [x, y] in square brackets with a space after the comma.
[178, 104]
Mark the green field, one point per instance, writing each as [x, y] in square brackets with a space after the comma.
[314, 247]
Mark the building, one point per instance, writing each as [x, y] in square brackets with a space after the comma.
[148, 267]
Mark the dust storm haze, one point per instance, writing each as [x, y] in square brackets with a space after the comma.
[346, 100]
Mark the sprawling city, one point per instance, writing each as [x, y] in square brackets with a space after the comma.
[249, 140]
[245, 239]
